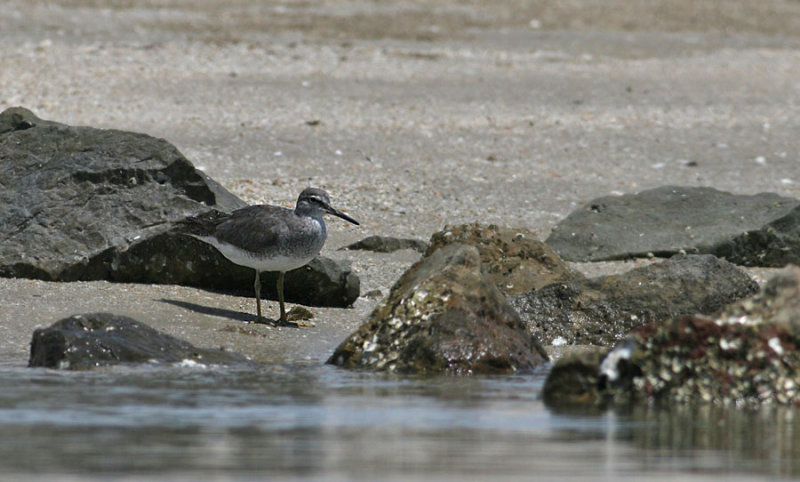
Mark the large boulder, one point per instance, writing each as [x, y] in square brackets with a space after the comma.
[80, 203]
[744, 356]
[602, 311]
[74, 195]
[82, 342]
[443, 316]
[757, 230]
[513, 259]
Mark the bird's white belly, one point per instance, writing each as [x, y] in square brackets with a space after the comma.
[275, 262]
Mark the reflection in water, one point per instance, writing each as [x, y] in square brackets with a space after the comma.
[765, 440]
[321, 422]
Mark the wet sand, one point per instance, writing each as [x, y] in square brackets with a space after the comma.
[412, 115]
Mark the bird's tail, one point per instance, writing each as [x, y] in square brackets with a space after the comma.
[200, 225]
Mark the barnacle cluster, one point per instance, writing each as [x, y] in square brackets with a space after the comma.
[747, 355]
[732, 363]
[401, 322]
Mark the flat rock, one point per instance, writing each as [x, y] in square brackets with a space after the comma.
[757, 230]
[443, 316]
[80, 203]
[82, 342]
[513, 258]
[602, 311]
[744, 356]
[387, 244]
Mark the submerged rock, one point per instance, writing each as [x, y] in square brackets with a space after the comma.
[602, 311]
[758, 230]
[387, 244]
[514, 259]
[96, 204]
[442, 316]
[746, 355]
[82, 342]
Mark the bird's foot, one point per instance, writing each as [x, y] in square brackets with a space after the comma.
[297, 317]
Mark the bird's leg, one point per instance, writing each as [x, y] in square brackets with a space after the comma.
[283, 321]
[280, 297]
[257, 286]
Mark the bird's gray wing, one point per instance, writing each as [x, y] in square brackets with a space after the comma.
[254, 228]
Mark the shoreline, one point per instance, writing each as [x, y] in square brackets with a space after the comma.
[412, 118]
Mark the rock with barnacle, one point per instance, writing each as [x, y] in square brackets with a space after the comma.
[747, 355]
[512, 258]
[443, 316]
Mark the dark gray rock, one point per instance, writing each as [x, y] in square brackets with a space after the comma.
[442, 316]
[322, 282]
[19, 119]
[82, 342]
[80, 203]
[602, 311]
[576, 381]
[174, 258]
[513, 258]
[387, 244]
[754, 230]
[775, 244]
[745, 356]
[74, 193]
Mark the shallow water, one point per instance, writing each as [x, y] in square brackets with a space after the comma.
[323, 423]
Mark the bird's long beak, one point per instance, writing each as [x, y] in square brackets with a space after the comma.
[342, 215]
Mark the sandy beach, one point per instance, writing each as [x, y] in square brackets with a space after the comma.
[412, 115]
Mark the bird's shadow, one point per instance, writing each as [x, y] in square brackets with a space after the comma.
[208, 310]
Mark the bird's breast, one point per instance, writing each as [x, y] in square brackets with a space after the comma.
[306, 239]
